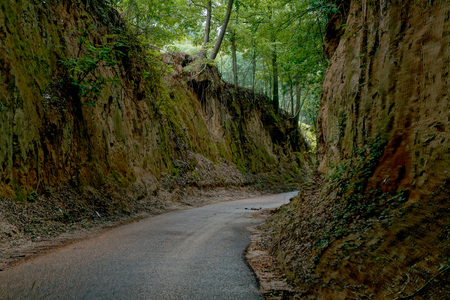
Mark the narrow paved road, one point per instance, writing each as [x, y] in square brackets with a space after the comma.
[188, 254]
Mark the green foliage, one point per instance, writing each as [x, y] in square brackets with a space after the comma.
[198, 66]
[342, 123]
[352, 174]
[349, 181]
[308, 132]
[32, 196]
[325, 7]
[294, 29]
[82, 69]
[159, 22]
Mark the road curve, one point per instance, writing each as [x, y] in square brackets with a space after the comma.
[187, 254]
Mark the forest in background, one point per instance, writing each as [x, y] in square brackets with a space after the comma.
[271, 47]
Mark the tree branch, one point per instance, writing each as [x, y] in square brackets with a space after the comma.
[199, 5]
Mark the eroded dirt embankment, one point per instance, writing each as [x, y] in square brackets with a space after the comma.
[375, 223]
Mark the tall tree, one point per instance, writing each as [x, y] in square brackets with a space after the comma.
[234, 57]
[208, 8]
[233, 48]
[222, 30]
[275, 99]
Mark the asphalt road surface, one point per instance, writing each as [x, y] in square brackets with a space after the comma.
[187, 254]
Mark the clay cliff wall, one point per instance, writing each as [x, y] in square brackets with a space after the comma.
[374, 223]
[388, 76]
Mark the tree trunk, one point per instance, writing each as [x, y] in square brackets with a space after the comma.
[233, 52]
[275, 97]
[207, 28]
[291, 92]
[275, 79]
[299, 103]
[269, 82]
[222, 31]
[254, 72]
[254, 68]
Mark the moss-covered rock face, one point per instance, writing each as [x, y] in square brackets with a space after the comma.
[82, 103]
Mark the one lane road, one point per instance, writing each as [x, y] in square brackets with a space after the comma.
[186, 254]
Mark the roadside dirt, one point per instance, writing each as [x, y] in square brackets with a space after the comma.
[400, 253]
[271, 279]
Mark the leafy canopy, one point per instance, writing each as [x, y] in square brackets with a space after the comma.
[258, 29]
